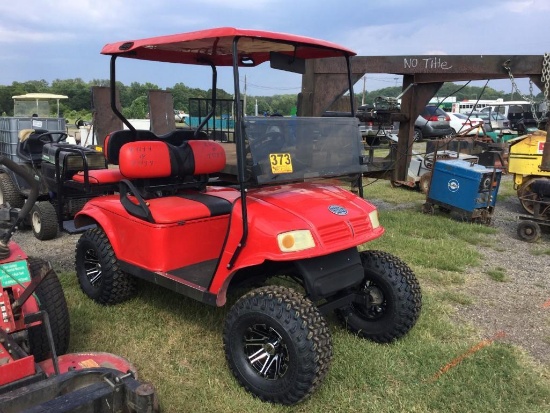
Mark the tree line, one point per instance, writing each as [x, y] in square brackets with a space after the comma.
[133, 98]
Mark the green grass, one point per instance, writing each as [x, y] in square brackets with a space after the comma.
[497, 274]
[540, 251]
[176, 343]
[381, 189]
[506, 189]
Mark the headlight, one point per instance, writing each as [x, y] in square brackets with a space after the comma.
[295, 240]
[373, 216]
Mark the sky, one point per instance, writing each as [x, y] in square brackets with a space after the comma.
[62, 39]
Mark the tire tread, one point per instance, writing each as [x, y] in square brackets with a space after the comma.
[407, 289]
[52, 300]
[117, 286]
[303, 322]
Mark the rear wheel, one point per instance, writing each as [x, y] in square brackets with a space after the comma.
[97, 269]
[277, 344]
[9, 193]
[43, 221]
[393, 299]
[51, 299]
[529, 231]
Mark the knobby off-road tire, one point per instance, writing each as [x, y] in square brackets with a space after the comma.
[43, 220]
[51, 299]
[396, 299]
[9, 192]
[277, 344]
[97, 269]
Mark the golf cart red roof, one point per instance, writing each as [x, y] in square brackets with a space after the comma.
[215, 46]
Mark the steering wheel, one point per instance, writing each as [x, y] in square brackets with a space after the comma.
[273, 141]
[47, 137]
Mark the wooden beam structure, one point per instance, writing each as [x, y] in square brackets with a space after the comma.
[325, 81]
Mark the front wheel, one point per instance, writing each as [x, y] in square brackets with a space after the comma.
[43, 221]
[277, 344]
[392, 299]
[97, 269]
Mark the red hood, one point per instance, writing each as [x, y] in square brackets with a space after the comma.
[334, 215]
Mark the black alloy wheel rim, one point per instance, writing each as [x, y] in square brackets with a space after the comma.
[92, 267]
[378, 304]
[266, 351]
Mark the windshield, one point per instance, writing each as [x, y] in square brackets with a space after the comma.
[28, 108]
[287, 149]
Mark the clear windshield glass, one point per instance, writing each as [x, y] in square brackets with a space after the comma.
[28, 108]
[285, 149]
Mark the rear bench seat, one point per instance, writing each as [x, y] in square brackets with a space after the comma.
[116, 140]
[152, 162]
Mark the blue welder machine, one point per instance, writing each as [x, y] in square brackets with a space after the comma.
[465, 188]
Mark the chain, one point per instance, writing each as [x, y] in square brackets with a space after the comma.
[531, 98]
[545, 77]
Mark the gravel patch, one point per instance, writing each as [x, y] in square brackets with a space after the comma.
[519, 306]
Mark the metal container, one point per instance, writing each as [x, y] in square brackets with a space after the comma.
[464, 187]
[11, 126]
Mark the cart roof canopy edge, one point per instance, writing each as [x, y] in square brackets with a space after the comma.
[215, 46]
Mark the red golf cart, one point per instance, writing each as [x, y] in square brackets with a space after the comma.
[201, 217]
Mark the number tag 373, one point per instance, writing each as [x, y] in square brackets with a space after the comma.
[281, 163]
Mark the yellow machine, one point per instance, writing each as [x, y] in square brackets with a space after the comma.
[524, 162]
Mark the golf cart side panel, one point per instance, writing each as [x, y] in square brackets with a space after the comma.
[163, 246]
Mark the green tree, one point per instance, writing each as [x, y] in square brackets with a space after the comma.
[138, 108]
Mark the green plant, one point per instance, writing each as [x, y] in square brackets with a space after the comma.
[497, 274]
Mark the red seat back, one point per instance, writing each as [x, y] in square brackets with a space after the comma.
[156, 159]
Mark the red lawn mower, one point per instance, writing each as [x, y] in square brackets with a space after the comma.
[35, 373]
[201, 217]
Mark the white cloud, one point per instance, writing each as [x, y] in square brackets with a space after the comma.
[243, 4]
[526, 6]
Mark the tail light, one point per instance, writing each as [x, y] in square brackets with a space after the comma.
[447, 118]
[433, 118]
